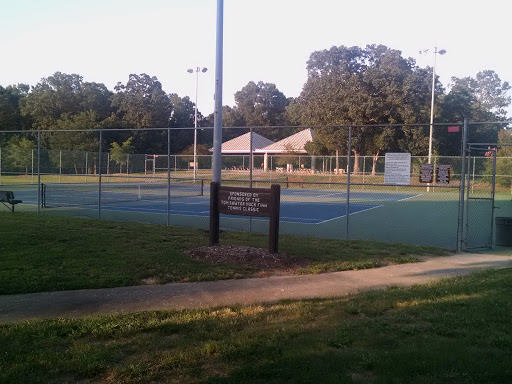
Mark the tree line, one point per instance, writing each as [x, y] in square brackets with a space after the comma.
[371, 86]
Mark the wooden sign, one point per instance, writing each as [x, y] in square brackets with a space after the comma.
[443, 174]
[426, 173]
[260, 202]
[245, 201]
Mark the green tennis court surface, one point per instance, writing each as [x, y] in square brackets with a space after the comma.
[391, 214]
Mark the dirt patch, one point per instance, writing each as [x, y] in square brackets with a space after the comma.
[257, 258]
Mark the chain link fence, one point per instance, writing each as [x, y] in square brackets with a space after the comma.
[342, 194]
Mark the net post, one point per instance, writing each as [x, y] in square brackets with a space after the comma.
[275, 193]
[42, 200]
[214, 213]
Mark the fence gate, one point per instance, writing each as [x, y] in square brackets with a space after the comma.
[480, 191]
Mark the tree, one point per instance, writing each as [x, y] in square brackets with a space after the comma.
[142, 103]
[183, 116]
[479, 99]
[316, 148]
[354, 86]
[119, 153]
[490, 94]
[97, 98]
[183, 112]
[231, 117]
[75, 144]
[64, 95]
[53, 97]
[262, 104]
[20, 152]
[10, 114]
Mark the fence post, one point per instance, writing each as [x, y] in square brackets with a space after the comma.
[169, 175]
[32, 165]
[467, 192]
[99, 174]
[364, 168]
[493, 191]
[60, 166]
[349, 153]
[474, 166]
[38, 172]
[86, 166]
[460, 229]
[0, 166]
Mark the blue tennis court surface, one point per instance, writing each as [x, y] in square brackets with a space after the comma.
[342, 195]
[291, 212]
[297, 205]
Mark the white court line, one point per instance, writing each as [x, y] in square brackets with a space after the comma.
[326, 195]
[350, 214]
[303, 220]
[411, 197]
[149, 210]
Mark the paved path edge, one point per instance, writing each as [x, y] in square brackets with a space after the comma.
[79, 303]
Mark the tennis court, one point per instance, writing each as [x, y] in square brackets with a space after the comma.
[391, 214]
[192, 199]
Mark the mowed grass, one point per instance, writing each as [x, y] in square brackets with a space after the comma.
[48, 253]
[453, 331]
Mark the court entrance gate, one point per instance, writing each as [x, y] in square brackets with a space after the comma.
[479, 196]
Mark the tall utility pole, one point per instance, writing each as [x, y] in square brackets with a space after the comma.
[431, 137]
[217, 130]
[197, 70]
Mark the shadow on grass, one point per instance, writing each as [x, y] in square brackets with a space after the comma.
[454, 330]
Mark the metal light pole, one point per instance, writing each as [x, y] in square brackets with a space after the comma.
[197, 70]
[436, 52]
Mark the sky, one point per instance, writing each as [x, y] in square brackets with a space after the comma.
[266, 40]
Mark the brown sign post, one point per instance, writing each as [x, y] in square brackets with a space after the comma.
[260, 202]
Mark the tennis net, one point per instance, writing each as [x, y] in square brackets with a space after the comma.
[68, 195]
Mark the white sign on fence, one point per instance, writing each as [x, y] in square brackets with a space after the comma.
[397, 169]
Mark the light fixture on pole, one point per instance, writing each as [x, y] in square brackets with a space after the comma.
[197, 70]
[431, 136]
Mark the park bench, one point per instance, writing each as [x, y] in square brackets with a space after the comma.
[7, 197]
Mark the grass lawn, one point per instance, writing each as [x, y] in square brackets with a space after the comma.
[48, 253]
[453, 331]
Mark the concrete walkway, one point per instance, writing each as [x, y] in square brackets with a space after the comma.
[246, 291]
